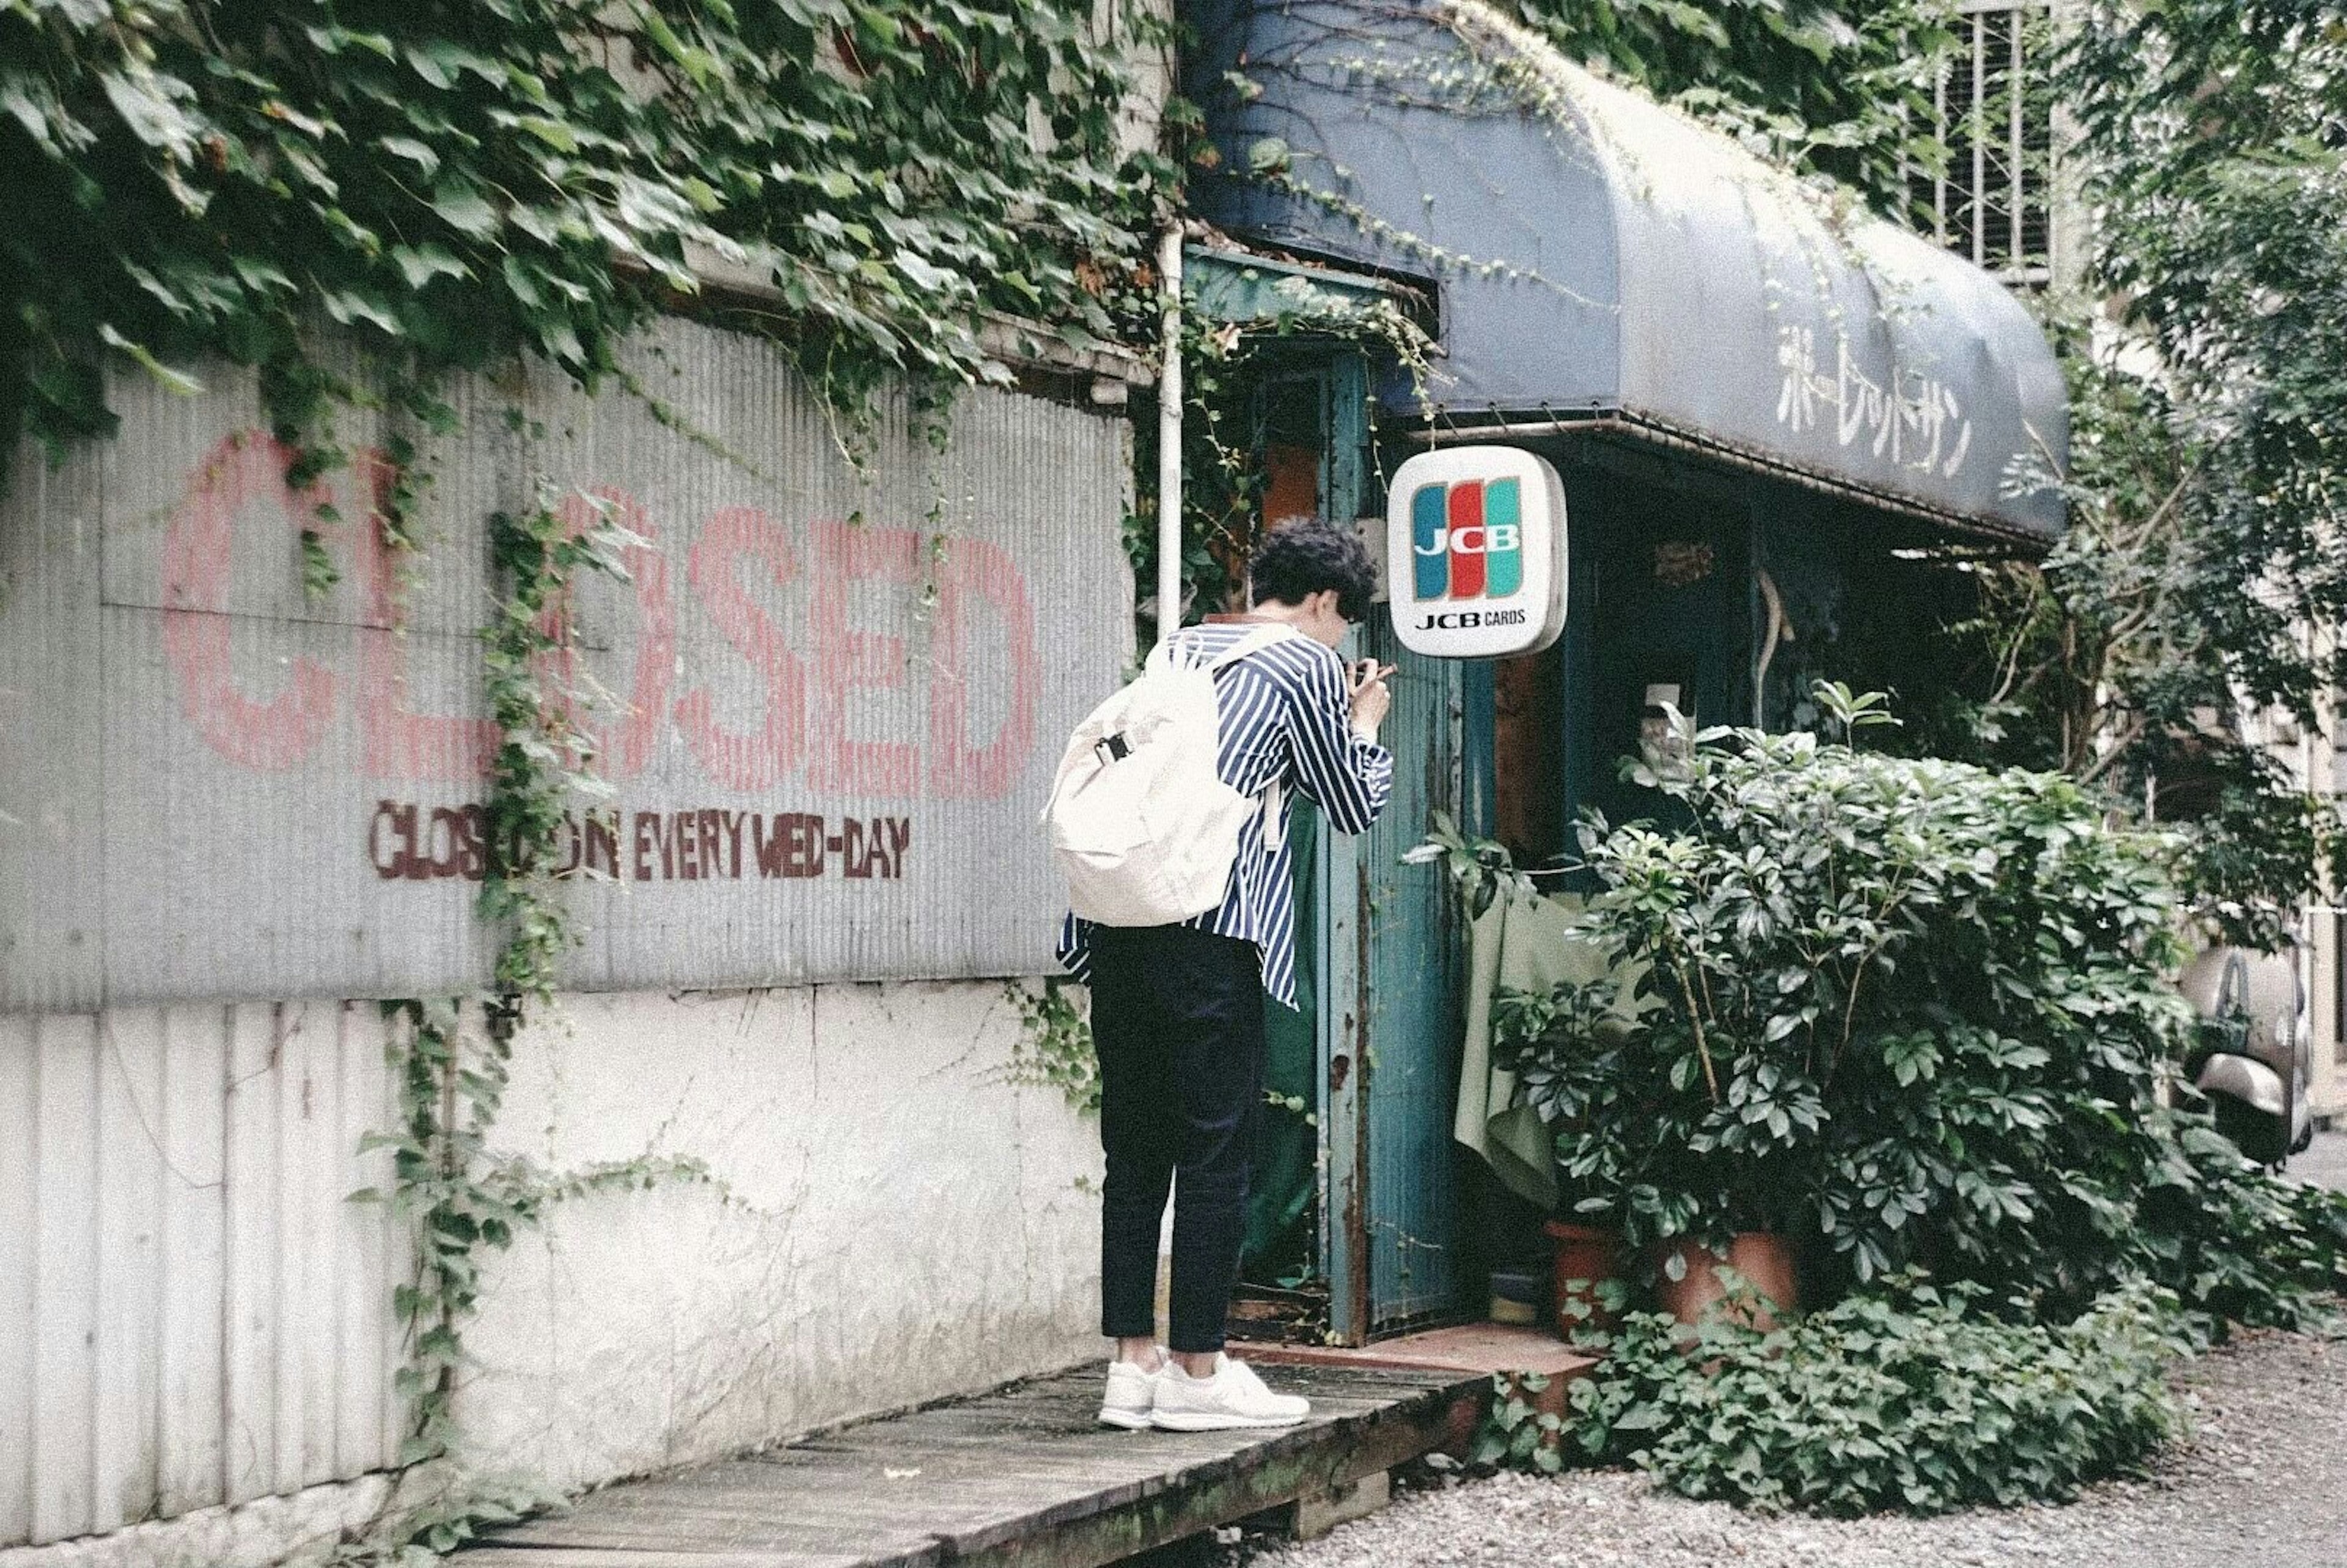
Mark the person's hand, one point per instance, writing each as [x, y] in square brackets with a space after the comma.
[1367, 681]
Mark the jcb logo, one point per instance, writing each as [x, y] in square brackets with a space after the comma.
[1468, 539]
[1492, 540]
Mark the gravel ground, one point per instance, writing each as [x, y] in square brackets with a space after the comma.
[2324, 1164]
[2261, 1480]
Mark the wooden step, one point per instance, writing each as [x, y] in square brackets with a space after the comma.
[1485, 1347]
[1023, 1476]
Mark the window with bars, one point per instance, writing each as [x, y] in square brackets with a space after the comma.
[1994, 103]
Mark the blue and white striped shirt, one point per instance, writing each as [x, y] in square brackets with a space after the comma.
[1284, 713]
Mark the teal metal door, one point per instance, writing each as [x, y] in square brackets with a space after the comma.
[1411, 1003]
[1390, 1020]
[1382, 961]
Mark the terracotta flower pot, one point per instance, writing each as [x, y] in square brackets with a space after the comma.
[1585, 1259]
[1765, 1262]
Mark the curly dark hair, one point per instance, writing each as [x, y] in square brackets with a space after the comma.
[1306, 556]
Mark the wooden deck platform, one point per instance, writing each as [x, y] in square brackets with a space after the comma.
[1020, 1478]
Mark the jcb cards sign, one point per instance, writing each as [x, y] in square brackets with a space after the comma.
[1475, 553]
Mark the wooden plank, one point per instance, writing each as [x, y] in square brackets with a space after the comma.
[806, 1532]
[1024, 1476]
[821, 1471]
[1070, 1402]
[361, 1240]
[310, 1098]
[126, 1465]
[1309, 1460]
[249, 1388]
[628, 1557]
[918, 1504]
[192, 1327]
[930, 1437]
[1265, 1480]
[810, 1513]
[295, 1290]
[64, 1202]
[19, 1162]
[1485, 1347]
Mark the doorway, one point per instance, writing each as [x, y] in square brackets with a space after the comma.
[1353, 1214]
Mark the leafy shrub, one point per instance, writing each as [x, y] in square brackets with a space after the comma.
[1909, 1012]
[1919, 1403]
[460, 184]
[2237, 1243]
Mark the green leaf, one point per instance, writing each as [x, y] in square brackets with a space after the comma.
[414, 151]
[419, 264]
[463, 208]
[153, 107]
[172, 381]
[350, 307]
[552, 132]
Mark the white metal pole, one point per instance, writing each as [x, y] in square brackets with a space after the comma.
[1169, 438]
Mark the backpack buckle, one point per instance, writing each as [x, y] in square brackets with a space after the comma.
[1112, 748]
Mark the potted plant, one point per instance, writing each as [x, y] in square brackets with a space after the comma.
[1555, 1043]
[1688, 1088]
[1903, 1011]
[1660, 1161]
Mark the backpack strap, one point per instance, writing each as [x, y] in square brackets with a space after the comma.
[1271, 803]
[1256, 639]
[1269, 634]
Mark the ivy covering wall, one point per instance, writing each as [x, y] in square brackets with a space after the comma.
[453, 182]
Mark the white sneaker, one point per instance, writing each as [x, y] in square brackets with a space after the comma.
[1233, 1397]
[1131, 1393]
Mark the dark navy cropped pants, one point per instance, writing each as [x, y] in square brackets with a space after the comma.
[1177, 1017]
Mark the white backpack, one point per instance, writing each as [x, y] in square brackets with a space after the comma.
[1141, 824]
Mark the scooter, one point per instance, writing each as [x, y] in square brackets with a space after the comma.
[2252, 1063]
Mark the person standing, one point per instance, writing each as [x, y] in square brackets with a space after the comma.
[1178, 1009]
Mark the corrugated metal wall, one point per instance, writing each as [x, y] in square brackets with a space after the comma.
[831, 701]
[191, 1312]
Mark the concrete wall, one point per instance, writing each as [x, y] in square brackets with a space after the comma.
[194, 1326]
[889, 1221]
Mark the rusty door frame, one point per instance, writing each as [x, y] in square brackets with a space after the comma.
[1341, 964]
[1343, 971]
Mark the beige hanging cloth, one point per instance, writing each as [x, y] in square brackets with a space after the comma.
[1523, 942]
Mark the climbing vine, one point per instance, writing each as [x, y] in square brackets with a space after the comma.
[1054, 1048]
[1224, 368]
[437, 1188]
[454, 184]
[544, 756]
[459, 1197]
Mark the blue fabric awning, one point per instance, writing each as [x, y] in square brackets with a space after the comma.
[1597, 253]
